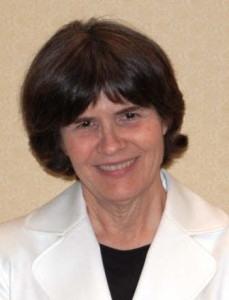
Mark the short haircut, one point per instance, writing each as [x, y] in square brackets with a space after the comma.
[83, 60]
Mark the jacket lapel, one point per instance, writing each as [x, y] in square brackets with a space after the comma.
[71, 268]
[179, 265]
[176, 266]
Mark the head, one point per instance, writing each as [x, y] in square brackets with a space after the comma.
[81, 62]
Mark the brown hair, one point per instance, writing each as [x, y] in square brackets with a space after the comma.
[78, 63]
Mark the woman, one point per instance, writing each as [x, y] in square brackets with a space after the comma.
[100, 102]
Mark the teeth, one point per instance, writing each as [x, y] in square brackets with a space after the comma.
[118, 166]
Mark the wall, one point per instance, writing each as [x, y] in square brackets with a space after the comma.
[195, 35]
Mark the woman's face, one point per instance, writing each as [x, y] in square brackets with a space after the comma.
[116, 150]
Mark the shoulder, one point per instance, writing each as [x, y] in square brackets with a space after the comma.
[11, 230]
[206, 224]
[45, 223]
[191, 211]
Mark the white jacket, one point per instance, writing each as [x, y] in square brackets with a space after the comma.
[53, 252]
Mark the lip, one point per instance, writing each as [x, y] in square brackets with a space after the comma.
[116, 169]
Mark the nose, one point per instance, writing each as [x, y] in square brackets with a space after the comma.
[111, 141]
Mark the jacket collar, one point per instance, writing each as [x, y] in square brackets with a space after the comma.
[190, 211]
[182, 206]
[67, 209]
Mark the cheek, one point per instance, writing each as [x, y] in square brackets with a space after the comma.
[150, 138]
[154, 150]
[78, 150]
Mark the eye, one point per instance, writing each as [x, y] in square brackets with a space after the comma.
[130, 116]
[84, 124]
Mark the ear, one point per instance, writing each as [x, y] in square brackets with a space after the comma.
[164, 126]
[63, 148]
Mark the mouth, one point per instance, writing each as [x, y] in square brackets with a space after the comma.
[119, 166]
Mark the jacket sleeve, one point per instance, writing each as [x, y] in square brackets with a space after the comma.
[4, 279]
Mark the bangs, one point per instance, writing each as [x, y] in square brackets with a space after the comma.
[117, 72]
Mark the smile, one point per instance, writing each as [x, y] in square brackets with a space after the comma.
[117, 166]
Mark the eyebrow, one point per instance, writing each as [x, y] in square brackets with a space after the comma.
[83, 119]
[130, 108]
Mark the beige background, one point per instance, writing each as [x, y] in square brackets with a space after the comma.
[195, 35]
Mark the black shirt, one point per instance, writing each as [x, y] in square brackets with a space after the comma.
[123, 269]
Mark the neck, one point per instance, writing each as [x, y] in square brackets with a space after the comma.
[128, 224]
